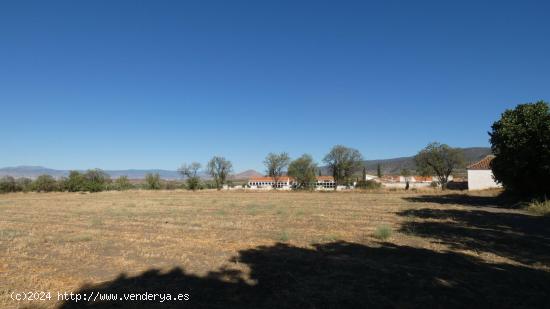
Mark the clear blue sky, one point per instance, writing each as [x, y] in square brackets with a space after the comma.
[152, 84]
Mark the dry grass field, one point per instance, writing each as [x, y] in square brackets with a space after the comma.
[274, 249]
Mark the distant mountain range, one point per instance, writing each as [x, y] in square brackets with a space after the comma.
[35, 171]
[388, 166]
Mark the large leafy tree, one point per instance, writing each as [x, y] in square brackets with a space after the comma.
[219, 168]
[439, 159]
[275, 164]
[343, 162]
[303, 170]
[520, 141]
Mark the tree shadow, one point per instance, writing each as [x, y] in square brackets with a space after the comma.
[339, 275]
[520, 237]
[500, 201]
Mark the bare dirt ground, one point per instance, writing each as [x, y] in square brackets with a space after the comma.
[274, 249]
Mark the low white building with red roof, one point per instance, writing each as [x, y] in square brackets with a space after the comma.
[480, 175]
[287, 183]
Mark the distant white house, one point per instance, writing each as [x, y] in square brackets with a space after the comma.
[480, 175]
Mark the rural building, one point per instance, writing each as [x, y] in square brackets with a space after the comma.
[287, 183]
[480, 175]
[400, 182]
[284, 182]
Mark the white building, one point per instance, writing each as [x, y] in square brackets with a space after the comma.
[400, 182]
[480, 175]
[268, 183]
[287, 183]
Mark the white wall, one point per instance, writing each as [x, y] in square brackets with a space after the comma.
[402, 185]
[481, 179]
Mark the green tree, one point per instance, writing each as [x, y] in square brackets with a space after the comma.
[439, 159]
[122, 183]
[190, 172]
[219, 168]
[303, 170]
[8, 184]
[45, 183]
[379, 171]
[24, 184]
[275, 165]
[96, 180]
[343, 162]
[152, 181]
[75, 182]
[520, 141]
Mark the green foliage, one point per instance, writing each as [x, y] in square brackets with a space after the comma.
[368, 184]
[45, 183]
[383, 232]
[96, 180]
[520, 141]
[439, 159]
[8, 184]
[219, 168]
[343, 162]
[24, 184]
[75, 182]
[193, 183]
[152, 181]
[122, 183]
[303, 170]
[379, 171]
[191, 173]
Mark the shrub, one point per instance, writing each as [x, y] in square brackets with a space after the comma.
[122, 183]
[193, 183]
[24, 184]
[368, 184]
[152, 181]
[383, 232]
[45, 183]
[540, 207]
[76, 182]
[96, 180]
[8, 184]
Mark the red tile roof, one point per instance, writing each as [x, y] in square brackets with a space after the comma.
[285, 178]
[483, 164]
[267, 179]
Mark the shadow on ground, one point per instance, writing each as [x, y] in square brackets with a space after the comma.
[500, 201]
[513, 235]
[340, 275]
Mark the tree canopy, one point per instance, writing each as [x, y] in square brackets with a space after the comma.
[520, 141]
[303, 170]
[275, 165]
[439, 159]
[343, 162]
[219, 168]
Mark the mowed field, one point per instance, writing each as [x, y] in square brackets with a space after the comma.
[274, 249]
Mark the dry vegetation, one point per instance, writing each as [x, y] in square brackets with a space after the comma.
[271, 249]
